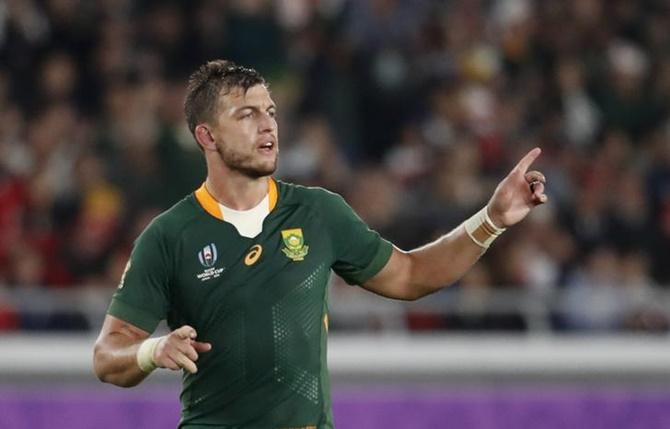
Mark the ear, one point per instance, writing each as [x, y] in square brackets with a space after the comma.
[204, 137]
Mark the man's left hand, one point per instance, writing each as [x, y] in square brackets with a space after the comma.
[518, 193]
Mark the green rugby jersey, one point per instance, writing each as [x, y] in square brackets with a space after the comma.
[261, 302]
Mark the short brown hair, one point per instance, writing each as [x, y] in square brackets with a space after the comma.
[211, 80]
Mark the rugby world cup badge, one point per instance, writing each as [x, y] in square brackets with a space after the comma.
[295, 249]
[208, 255]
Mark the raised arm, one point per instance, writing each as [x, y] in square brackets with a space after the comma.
[124, 354]
[419, 272]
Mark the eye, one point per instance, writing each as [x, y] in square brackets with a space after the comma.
[272, 113]
[247, 115]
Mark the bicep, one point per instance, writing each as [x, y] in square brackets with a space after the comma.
[393, 280]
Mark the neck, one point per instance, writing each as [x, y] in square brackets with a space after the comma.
[236, 191]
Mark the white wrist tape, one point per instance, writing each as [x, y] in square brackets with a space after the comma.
[145, 354]
[481, 228]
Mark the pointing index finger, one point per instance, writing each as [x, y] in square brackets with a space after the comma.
[527, 160]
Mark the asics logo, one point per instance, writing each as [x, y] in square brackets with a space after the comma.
[253, 255]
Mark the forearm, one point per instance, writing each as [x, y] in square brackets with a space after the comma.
[115, 361]
[441, 263]
[419, 272]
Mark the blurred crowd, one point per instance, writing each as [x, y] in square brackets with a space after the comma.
[413, 110]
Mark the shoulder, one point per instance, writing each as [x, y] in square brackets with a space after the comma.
[170, 223]
[307, 195]
[327, 205]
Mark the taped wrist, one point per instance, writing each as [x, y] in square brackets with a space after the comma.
[481, 228]
[145, 354]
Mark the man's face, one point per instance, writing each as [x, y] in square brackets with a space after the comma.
[245, 131]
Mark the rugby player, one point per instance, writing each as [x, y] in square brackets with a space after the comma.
[239, 269]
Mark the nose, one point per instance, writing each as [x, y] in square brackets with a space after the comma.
[267, 123]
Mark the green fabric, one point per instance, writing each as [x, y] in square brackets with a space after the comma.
[133, 315]
[267, 366]
[360, 252]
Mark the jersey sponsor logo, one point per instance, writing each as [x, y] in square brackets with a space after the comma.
[295, 249]
[208, 255]
[254, 254]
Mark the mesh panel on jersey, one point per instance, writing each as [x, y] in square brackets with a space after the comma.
[233, 351]
[296, 316]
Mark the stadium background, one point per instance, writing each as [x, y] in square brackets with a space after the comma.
[413, 110]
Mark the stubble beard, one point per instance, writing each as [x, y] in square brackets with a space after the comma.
[245, 163]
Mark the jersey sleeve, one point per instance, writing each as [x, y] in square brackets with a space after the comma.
[360, 252]
[142, 297]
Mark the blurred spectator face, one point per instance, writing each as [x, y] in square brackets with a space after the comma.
[570, 76]
[63, 10]
[514, 19]
[595, 298]
[475, 289]
[27, 267]
[591, 203]
[166, 25]
[141, 133]
[375, 197]
[458, 180]
[587, 12]
[616, 151]
[51, 129]
[480, 105]
[410, 158]
[635, 270]
[51, 140]
[171, 103]
[59, 76]
[631, 199]
[519, 261]
[603, 267]
[250, 7]
[117, 99]
[314, 157]
[482, 63]
[102, 203]
[629, 66]
[446, 114]
[113, 55]
[15, 155]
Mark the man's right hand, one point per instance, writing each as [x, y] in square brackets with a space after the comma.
[179, 350]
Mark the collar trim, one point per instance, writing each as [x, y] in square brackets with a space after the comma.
[212, 206]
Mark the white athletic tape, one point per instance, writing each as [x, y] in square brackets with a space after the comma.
[481, 228]
[145, 354]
